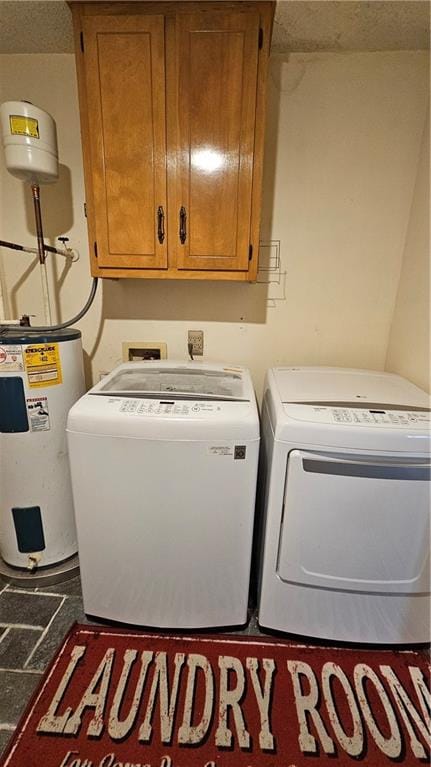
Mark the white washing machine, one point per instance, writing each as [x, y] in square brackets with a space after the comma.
[346, 454]
[164, 460]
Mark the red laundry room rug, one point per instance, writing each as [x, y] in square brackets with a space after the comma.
[117, 698]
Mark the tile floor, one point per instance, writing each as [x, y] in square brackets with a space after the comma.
[33, 622]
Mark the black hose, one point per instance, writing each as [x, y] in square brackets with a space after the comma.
[48, 328]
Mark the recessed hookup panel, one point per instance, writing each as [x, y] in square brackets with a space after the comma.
[140, 351]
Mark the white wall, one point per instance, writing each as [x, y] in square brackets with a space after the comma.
[343, 141]
[409, 340]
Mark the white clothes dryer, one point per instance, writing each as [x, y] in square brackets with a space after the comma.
[163, 461]
[346, 465]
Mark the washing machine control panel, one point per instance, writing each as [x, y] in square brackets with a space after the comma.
[155, 407]
[375, 417]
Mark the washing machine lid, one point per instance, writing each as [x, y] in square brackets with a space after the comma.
[178, 381]
[346, 387]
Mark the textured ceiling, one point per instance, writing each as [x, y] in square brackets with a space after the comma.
[35, 26]
[44, 26]
[349, 25]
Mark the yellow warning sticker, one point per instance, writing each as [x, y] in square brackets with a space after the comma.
[24, 126]
[43, 365]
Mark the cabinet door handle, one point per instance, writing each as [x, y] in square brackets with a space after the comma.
[160, 224]
[183, 225]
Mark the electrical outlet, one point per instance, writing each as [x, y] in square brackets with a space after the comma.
[196, 338]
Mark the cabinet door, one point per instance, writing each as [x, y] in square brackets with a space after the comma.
[217, 56]
[125, 82]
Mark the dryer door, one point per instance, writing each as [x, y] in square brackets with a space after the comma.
[355, 524]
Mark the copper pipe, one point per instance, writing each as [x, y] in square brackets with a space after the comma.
[38, 217]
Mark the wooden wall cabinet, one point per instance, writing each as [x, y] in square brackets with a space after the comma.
[172, 102]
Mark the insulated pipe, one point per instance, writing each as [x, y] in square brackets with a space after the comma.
[3, 319]
[66, 253]
[45, 293]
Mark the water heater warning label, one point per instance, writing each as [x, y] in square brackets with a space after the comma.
[38, 413]
[11, 358]
[43, 366]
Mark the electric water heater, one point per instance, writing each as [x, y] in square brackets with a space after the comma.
[41, 377]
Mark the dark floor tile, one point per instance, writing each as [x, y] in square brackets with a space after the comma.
[27, 609]
[16, 646]
[253, 626]
[70, 612]
[70, 588]
[16, 689]
[4, 581]
[5, 736]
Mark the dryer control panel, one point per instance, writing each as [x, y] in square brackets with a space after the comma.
[409, 419]
[378, 417]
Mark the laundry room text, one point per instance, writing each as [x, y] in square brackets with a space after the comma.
[229, 704]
